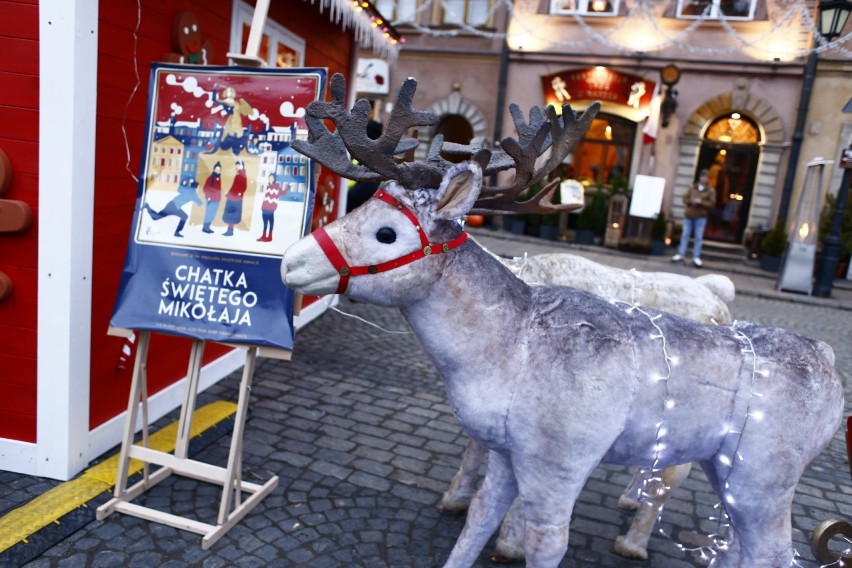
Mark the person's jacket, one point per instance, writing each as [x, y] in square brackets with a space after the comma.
[707, 195]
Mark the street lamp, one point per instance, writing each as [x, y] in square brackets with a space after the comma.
[832, 17]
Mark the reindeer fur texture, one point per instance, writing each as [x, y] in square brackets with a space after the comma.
[702, 299]
[513, 358]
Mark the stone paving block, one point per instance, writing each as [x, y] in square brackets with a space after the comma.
[410, 464]
[435, 434]
[373, 454]
[372, 467]
[372, 441]
[334, 456]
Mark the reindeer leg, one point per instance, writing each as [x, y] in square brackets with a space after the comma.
[635, 543]
[759, 503]
[510, 542]
[629, 499]
[486, 510]
[548, 493]
[457, 496]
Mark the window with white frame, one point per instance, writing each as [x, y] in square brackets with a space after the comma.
[398, 11]
[279, 47]
[471, 12]
[717, 9]
[585, 7]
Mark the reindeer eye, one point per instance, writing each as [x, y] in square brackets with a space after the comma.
[386, 235]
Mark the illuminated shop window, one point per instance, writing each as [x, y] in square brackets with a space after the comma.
[585, 7]
[605, 152]
[717, 9]
[733, 128]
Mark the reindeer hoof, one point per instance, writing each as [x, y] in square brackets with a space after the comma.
[453, 507]
[628, 503]
[629, 550]
[498, 558]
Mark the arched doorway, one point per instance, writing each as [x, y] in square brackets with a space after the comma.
[454, 128]
[457, 115]
[604, 153]
[730, 150]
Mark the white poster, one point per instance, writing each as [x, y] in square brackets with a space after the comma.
[372, 77]
[571, 193]
[647, 196]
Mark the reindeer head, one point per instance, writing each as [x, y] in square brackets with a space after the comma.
[413, 215]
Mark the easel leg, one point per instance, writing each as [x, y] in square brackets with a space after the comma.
[138, 390]
[188, 408]
[233, 477]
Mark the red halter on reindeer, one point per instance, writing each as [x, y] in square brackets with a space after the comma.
[554, 380]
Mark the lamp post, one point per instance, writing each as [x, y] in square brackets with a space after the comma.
[830, 255]
[832, 18]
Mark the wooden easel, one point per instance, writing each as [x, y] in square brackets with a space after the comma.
[232, 507]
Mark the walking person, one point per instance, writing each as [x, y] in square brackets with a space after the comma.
[699, 199]
[234, 199]
[212, 196]
[271, 195]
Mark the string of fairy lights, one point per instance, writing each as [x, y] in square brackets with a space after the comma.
[744, 413]
[796, 13]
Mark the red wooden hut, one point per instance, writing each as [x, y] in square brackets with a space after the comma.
[72, 112]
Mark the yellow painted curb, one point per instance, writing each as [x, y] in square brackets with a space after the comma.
[50, 506]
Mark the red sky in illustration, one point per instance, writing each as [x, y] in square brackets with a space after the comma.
[278, 100]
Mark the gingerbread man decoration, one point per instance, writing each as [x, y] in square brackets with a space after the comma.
[15, 217]
[187, 42]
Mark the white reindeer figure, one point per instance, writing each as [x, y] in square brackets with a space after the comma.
[752, 404]
[703, 299]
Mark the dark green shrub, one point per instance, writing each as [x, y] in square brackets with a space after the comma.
[658, 227]
[775, 241]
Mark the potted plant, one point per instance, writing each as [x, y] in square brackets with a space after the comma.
[585, 226]
[549, 228]
[599, 207]
[634, 245]
[658, 234]
[772, 248]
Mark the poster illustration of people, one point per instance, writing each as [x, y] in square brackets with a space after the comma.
[221, 195]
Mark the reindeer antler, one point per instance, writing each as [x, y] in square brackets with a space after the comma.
[557, 134]
[545, 131]
[375, 157]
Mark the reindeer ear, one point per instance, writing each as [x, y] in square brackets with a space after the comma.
[458, 191]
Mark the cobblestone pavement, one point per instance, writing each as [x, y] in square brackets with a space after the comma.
[358, 430]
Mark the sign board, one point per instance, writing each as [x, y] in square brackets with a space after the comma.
[372, 77]
[221, 195]
[647, 196]
[571, 193]
[632, 93]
